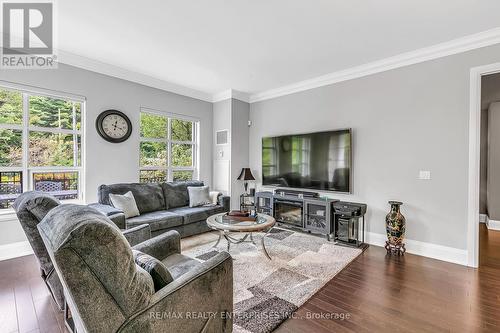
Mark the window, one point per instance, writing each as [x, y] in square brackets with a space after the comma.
[168, 148]
[269, 162]
[301, 147]
[40, 145]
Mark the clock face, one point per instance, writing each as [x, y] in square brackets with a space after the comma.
[114, 126]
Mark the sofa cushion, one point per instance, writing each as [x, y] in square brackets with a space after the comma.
[157, 220]
[176, 193]
[159, 273]
[148, 197]
[195, 214]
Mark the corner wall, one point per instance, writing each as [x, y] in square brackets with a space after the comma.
[404, 120]
[232, 115]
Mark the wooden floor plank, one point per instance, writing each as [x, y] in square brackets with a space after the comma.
[380, 293]
[26, 315]
[414, 294]
[8, 315]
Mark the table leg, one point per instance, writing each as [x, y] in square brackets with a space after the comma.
[264, 244]
[220, 237]
[228, 242]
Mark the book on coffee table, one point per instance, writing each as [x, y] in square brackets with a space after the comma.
[240, 216]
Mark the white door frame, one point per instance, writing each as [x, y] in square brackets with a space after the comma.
[476, 74]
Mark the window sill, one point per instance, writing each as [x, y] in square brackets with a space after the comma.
[8, 215]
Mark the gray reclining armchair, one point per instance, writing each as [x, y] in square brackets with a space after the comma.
[31, 208]
[108, 292]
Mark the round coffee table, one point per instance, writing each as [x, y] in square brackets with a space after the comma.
[228, 224]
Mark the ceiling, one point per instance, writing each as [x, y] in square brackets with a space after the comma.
[256, 45]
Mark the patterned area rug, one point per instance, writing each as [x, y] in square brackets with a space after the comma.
[266, 292]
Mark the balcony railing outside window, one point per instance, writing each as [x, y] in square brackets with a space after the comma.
[40, 144]
[11, 186]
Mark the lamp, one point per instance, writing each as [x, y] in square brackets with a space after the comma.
[246, 175]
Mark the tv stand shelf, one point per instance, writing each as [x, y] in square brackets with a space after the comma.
[338, 221]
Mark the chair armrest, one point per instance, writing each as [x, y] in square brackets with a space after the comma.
[137, 234]
[225, 201]
[114, 214]
[206, 289]
[162, 245]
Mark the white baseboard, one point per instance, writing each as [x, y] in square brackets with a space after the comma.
[440, 252]
[492, 224]
[483, 218]
[14, 250]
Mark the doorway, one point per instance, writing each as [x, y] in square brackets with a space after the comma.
[484, 100]
[489, 171]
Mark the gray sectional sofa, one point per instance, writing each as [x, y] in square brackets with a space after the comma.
[163, 206]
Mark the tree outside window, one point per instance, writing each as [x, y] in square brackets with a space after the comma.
[168, 148]
[40, 145]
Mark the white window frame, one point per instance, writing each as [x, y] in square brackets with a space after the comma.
[26, 128]
[195, 142]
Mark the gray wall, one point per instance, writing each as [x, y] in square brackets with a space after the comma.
[107, 162]
[404, 120]
[493, 158]
[232, 115]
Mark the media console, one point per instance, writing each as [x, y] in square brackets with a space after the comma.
[339, 221]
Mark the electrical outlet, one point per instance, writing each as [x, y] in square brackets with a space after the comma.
[424, 175]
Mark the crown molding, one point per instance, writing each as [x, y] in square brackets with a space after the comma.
[72, 59]
[456, 46]
[459, 45]
[222, 96]
[231, 93]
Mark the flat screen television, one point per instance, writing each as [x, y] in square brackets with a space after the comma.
[319, 161]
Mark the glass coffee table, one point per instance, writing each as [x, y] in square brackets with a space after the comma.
[226, 225]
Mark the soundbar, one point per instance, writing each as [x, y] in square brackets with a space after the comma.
[295, 193]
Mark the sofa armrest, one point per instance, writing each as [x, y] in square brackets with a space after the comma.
[225, 201]
[114, 214]
[206, 289]
[106, 210]
[137, 234]
[162, 245]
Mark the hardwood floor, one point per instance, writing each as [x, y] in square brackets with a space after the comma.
[25, 303]
[376, 293]
[408, 294]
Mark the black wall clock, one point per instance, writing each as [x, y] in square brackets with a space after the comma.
[113, 126]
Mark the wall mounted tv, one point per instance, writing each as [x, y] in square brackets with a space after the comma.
[320, 161]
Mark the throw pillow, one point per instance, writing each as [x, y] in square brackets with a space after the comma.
[198, 196]
[126, 203]
[160, 274]
[214, 197]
